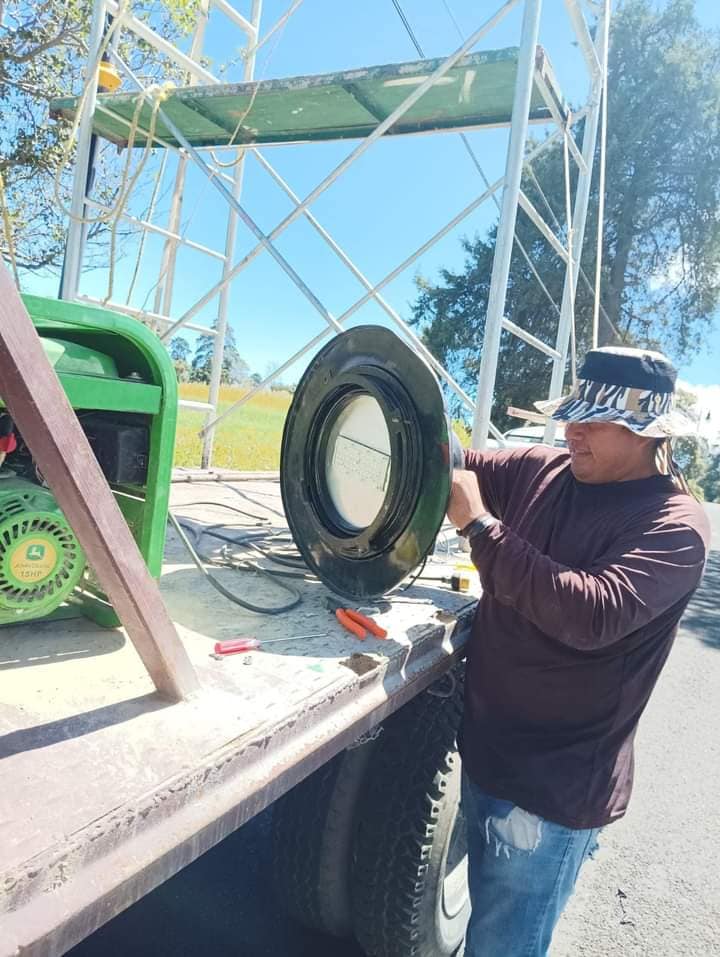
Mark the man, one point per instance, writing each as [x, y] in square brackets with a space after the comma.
[587, 561]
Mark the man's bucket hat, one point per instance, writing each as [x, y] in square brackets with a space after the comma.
[630, 387]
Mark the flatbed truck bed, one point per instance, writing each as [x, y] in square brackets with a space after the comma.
[107, 790]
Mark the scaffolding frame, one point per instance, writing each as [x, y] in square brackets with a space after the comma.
[530, 70]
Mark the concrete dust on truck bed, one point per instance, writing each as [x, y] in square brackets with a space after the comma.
[107, 790]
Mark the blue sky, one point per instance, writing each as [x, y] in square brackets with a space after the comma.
[395, 197]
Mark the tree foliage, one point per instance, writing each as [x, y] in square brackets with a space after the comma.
[234, 369]
[661, 252]
[43, 53]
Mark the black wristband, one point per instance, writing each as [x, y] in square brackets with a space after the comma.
[478, 525]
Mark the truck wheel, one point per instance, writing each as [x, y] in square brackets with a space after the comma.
[410, 896]
[312, 842]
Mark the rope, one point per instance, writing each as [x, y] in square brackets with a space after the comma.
[7, 225]
[90, 83]
[158, 93]
[279, 26]
[148, 216]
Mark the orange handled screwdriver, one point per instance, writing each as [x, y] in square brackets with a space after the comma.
[355, 622]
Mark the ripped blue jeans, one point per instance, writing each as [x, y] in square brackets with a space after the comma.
[522, 871]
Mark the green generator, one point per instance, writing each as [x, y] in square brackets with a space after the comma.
[121, 382]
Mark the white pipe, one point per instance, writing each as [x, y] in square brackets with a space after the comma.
[529, 338]
[143, 314]
[152, 228]
[506, 226]
[393, 274]
[218, 354]
[558, 117]
[75, 243]
[542, 226]
[582, 196]
[251, 29]
[379, 130]
[143, 31]
[579, 24]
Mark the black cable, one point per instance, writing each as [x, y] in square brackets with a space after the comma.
[260, 519]
[407, 26]
[418, 573]
[200, 560]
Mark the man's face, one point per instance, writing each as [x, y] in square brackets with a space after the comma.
[606, 452]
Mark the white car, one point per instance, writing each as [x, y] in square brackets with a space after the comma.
[529, 435]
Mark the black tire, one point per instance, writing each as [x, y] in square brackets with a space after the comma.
[313, 828]
[406, 901]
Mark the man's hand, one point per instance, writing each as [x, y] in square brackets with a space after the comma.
[466, 502]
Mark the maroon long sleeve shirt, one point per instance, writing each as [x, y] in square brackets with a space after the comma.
[583, 588]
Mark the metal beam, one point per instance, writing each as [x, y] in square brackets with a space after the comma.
[218, 353]
[561, 121]
[528, 208]
[74, 244]
[144, 314]
[528, 337]
[143, 31]
[152, 228]
[506, 226]
[393, 274]
[251, 29]
[379, 130]
[39, 407]
[585, 41]
[582, 196]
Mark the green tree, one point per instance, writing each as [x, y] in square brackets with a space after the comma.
[234, 369]
[711, 481]
[661, 252]
[692, 452]
[43, 56]
[179, 349]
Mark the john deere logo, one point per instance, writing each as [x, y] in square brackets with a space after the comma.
[32, 560]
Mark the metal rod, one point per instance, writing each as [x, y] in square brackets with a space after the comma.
[166, 277]
[579, 24]
[561, 121]
[384, 305]
[143, 31]
[197, 406]
[218, 354]
[252, 51]
[528, 208]
[264, 240]
[152, 228]
[245, 25]
[506, 226]
[74, 246]
[393, 274]
[143, 314]
[529, 338]
[379, 130]
[601, 182]
[582, 196]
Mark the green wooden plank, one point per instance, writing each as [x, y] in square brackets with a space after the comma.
[478, 91]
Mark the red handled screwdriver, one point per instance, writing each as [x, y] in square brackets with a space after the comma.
[235, 645]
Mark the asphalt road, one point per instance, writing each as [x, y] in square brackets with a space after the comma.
[654, 888]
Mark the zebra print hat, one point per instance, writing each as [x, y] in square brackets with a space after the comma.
[631, 387]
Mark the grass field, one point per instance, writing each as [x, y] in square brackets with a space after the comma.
[249, 439]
